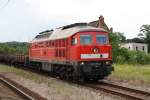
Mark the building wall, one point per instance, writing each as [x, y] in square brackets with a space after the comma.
[136, 46]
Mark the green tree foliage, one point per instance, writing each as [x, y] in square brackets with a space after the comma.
[13, 47]
[5, 49]
[135, 40]
[145, 34]
[132, 57]
[116, 39]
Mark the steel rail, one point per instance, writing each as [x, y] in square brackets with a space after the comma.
[127, 88]
[122, 91]
[20, 90]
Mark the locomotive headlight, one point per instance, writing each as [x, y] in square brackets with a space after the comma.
[108, 62]
[82, 63]
[95, 50]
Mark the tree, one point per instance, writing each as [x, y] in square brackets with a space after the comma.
[14, 47]
[145, 34]
[116, 38]
[136, 40]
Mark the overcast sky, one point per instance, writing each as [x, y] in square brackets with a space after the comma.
[21, 20]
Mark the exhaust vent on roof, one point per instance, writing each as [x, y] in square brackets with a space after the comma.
[74, 25]
[46, 31]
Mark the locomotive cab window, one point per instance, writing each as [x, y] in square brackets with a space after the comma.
[74, 41]
[101, 39]
[85, 39]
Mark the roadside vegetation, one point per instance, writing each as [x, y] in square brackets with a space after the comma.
[136, 74]
[125, 56]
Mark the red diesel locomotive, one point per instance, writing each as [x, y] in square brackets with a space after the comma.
[77, 51]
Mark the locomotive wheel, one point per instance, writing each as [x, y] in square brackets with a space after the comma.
[74, 76]
[62, 73]
[95, 79]
[86, 79]
[68, 73]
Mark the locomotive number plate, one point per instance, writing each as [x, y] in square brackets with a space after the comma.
[85, 56]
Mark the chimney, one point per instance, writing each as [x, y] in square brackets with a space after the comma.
[101, 22]
[111, 30]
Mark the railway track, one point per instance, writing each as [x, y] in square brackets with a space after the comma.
[107, 87]
[119, 90]
[15, 91]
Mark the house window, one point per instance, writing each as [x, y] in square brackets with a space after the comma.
[129, 47]
[136, 48]
[143, 48]
[74, 41]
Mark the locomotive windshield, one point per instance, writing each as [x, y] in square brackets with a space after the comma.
[101, 39]
[85, 39]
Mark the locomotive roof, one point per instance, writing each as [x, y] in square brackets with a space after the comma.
[64, 32]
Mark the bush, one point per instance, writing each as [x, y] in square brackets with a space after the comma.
[120, 59]
[132, 57]
[143, 58]
[120, 55]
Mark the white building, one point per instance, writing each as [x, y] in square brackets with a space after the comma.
[136, 46]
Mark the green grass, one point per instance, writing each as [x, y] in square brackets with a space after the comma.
[20, 72]
[136, 73]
